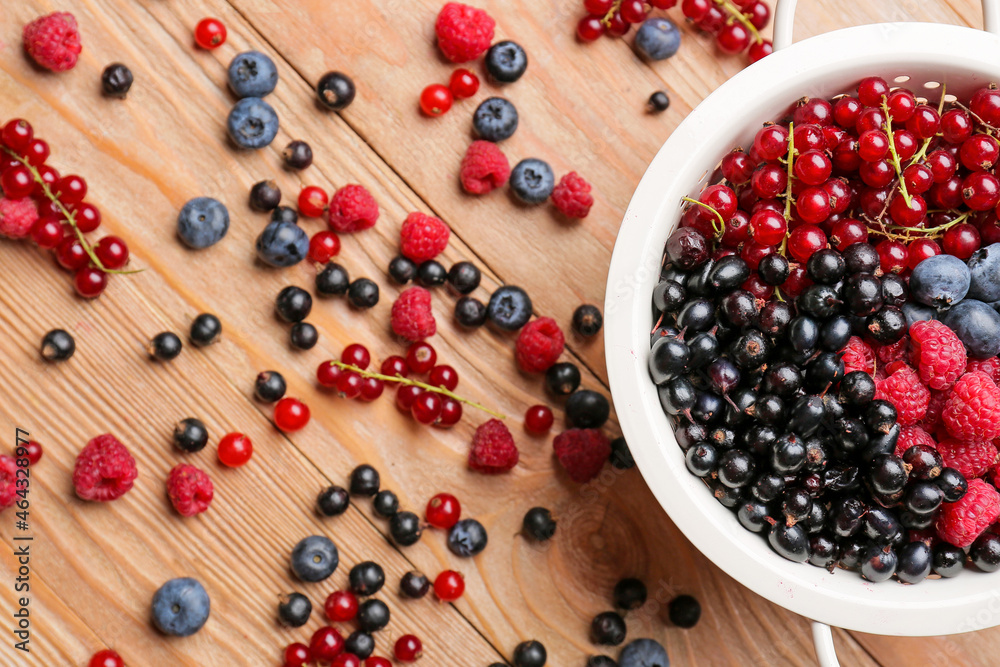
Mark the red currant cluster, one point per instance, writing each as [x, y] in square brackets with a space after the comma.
[734, 23]
[917, 178]
[436, 99]
[54, 206]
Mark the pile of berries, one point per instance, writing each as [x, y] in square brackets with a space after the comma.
[735, 24]
[50, 209]
[841, 397]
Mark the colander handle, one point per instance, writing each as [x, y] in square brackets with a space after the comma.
[826, 652]
[784, 20]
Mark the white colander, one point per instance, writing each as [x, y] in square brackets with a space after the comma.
[923, 57]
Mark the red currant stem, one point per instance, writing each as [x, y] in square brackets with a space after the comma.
[736, 13]
[919, 155]
[791, 165]
[895, 155]
[932, 232]
[990, 130]
[944, 87]
[416, 383]
[69, 215]
[719, 230]
[611, 12]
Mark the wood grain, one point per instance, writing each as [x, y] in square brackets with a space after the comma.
[95, 567]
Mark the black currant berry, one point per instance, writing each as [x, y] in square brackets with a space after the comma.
[332, 280]
[116, 80]
[414, 585]
[297, 155]
[470, 312]
[587, 409]
[269, 386]
[773, 269]
[190, 435]
[385, 504]
[205, 330]
[164, 346]
[294, 610]
[333, 501]
[538, 524]
[293, 304]
[431, 273]
[366, 578]
[607, 629]
[587, 320]
[363, 293]
[303, 336]
[630, 594]
[405, 528]
[58, 345]
[402, 269]
[669, 296]
[365, 481]
[464, 277]
[335, 90]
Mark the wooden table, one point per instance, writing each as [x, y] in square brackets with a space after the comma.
[94, 567]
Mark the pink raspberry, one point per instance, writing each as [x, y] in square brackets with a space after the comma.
[484, 168]
[539, 345]
[104, 470]
[989, 366]
[8, 481]
[493, 449]
[17, 217]
[858, 356]
[423, 237]
[897, 351]
[961, 522]
[932, 418]
[572, 197]
[937, 353]
[190, 489]
[53, 41]
[352, 209]
[463, 32]
[972, 411]
[582, 452]
[972, 459]
[412, 317]
[903, 389]
[913, 435]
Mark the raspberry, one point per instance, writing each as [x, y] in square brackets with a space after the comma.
[17, 217]
[463, 33]
[572, 196]
[913, 435]
[411, 315]
[937, 353]
[484, 168]
[972, 411]
[53, 41]
[898, 351]
[989, 366]
[960, 523]
[902, 388]
[190, 489]
[539, 345]
[972, 459]
[858, 356]
[493, 449]
[932, 418]
[582, 452]
[104, 469]
[352, 208]
[423, 237]
[8, 481]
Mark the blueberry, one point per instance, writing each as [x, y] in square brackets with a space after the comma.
[252, 74]
[940, 281]
[506, 61]
[977, 325]
[470, 312]
[180, 607]
[335, 90]
[984, 268]
[467, 538]
[509, 308]
[532, 180]
[252, 123]
[495, 119]
[202, 222]
[314, 558]
[657, 38]
[643, 653]
[282, 244]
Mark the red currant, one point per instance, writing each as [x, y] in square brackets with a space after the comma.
[449, 586]
[771, 142]
[71, 189]
[377, 661]
[313, 201]
[633, 11]
[598, 7]
[720, 198]
[617, 26]
[756, 286]
[538, 419]
[346, 660]
[49, 176]
[769, 181]
[759, 50]
[925, 122]
[980, 151]
[17, 182]
[918, 178]
[443, 511]
[870, 119]
[981, 191]
[31, 450]
[87, 216]
[808, 137]
[426, 407]
[112, 251]
[892, 256]
[812, 167]
[406, 395]
[436, 99]
[326, 644]
[47, 233]
[873, 145]
[395, 365]
[919, 250]
[356, 354]
[871, 90]
[323, 247]
[942, 164]
[463, 84]
[90, 282]
[589, 28]
[341, 606]
[695, 9]
[733, 38]
[796, 281]
[327, 374]
[408, 649]
[845, 156]
[451, 413]
[106, 658]
[297, 655]
[371, 388]
[662, 4]
[71, 255]
[209, 33]
[420, 357]
[443, 376]
[16, 135]
[961, 240]
[846, 111]
[956, 126]
[759, 14]
[737, 168]
[235, 449]
[38, 152]
[804, 241]
[985, 103]
[349, 384]
[877, 174]
[908, 215]
[813, 205]
[847, 232]
[901, 105]
[712, 21]
[947, 194]
[737, 230]
[291, 414]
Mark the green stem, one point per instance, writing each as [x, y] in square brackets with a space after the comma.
[736, 13]
[399, 379]
[721, 228]
[611, 12]
[897, 165]
[931, 231]
[69, 215]
[791, 164]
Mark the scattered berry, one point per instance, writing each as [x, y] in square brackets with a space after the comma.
[335, 91]
[587, 320]
[297, 155]
[506, 61]
[116, 80]
[205, 330]
[314, 558]
[571, 196]
[106, 658]
[104, 470]
[509, 308]
[414, 585]
[532, 181]
[436, 99]
[202, 222]
[210, 33]
[449, 586]
[538, 524]
[443, 511]
[463, 33]
[58, 345]
[408, 648]
[423, 237]
[405, 528]
[495, 119]
[352, 209]
[539, 345]
[269, 386]
[538, 419]
[582, 453]
[412, 317]
[658, 38]
[291, 414]
[283, 244]
[294, 610]
[235, 450]
[53, 41]
[180, 607]
[366, 578]
[493, 449]
[190, 490]
[463, 84]
[252, 74]
[658, 102]
[252, 123]
[484, 168]
[363, 293]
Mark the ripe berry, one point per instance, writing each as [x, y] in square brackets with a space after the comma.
[365, 480]
[335, 90]
[659, 102]
[265, 196]
[31, 450]
[313, 201]
[47, 233]
[210, 33]
[190, 435]
[357, 355]
[294, 610]
[363, 293]
[269, 386]
[451, 413]
[326, 644]
[58, 345]
[589, 28]
[333, 501]
[436, 99]
[296, 655]
[385, 504]
[463, 84]
[366, 578]
[443, 511]
[323, 247]
[684, 611]
[235, 449]
[373, 615]
[607, 628]
[405, 528]
[341, 606]
[293, 304]
[961, 241]
[291, 414]
[205, 330]
[538, 419]
[426, 407]
[88, 217]
[532, 654]
[408, 648]
[431, 273]
[406, 395]
[449, 586]
[414, 585]
[360, 644]
[630, 594]
[303, 336]
[538, 524]
[420, 357]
